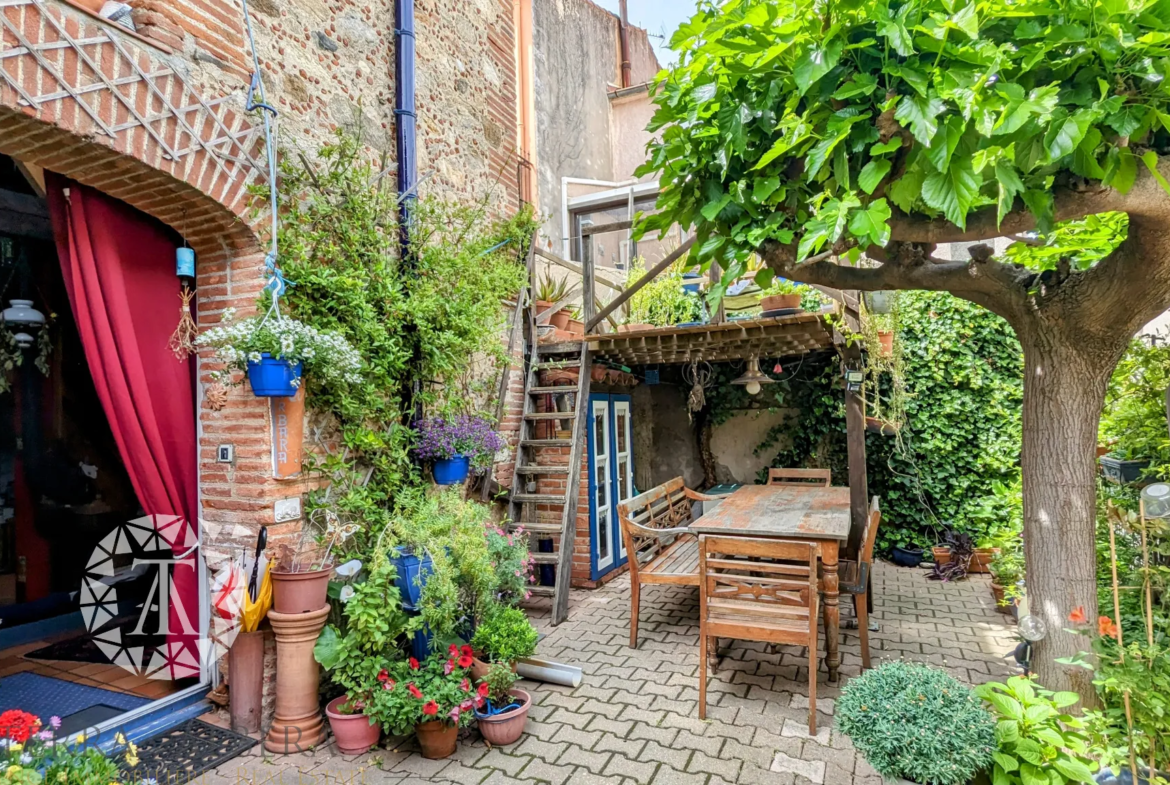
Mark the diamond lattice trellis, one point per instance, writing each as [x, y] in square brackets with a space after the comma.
[49, 55]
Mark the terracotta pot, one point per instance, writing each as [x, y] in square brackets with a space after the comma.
[981, 560]
[560, 319]
[298, 724]
[778, 302]
[598, 373]
[436, 739]
[634, 327]
[942, 554]
[542, 305]
[246, 677]
[501, 729]
[479, 669]
[576, 327]
[886, 339]
[354, 733]
[300, 592]
[997, 593]
[556, 377]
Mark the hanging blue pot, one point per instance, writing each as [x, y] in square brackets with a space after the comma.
[452, 471]
[273, 378]
[411, 575]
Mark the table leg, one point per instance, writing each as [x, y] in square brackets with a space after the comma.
[832, 611]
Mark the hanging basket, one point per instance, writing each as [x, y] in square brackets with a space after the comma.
[273, 377]
[452, 471]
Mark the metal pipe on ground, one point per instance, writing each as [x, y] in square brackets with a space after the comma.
[549, 672]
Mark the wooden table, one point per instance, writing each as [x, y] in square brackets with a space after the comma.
[815, 513]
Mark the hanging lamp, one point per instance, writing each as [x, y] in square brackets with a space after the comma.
[21, 313]
[753, 377]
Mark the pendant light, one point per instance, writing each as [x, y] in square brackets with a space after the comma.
[753, 377]
[21, 313]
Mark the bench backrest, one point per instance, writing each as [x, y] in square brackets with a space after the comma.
[663, 507]
[799, 477]
[758, 580]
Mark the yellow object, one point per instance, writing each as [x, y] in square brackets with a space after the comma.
[254, 612]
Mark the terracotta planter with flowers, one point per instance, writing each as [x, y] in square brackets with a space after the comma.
[354, 732]
[437, 739]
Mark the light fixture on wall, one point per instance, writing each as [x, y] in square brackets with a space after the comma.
[753, 377]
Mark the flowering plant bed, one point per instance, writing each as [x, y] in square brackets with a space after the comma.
[32, 754]
[441, 438]
[438, 689]
[325, 355]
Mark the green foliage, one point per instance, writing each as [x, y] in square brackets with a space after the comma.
[914, 721]
[551, 290]
[409, 693]
[962, 368]
[505, 636]
[663, 302]
[435, 321]
[499, 680]
[810, 299]
[1037, 741]
[1133, 421]
[844, 111]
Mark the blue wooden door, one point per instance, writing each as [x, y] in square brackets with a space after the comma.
[611, 478]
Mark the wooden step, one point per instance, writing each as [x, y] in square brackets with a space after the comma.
[542, 591]
[546, 442]
[526, 469]
[553, 390]
[562, 365]
[550, 416]
[541, 528]
[538, 498]
[543, 557]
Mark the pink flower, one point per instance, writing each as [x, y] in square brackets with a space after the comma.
[467, 705]
[528, 595]
[448, 667]
[454, 714]
[465, 685]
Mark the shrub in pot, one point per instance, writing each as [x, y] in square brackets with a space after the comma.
[1007, 570]
[432, 699]
[504, 636]
[504, 713]
[917, 722]
[456, 445]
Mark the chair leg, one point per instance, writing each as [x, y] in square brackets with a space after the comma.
[713, 654]
[635, 590]
[703, 643]
[861, 608]
[812, 683]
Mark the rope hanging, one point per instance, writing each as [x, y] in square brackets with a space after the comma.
[183, 339]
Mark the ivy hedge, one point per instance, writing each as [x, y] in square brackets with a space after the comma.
[963, 371]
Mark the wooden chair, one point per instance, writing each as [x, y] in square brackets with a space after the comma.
[660, 547]
[799, 477]
[855, 575]
[758, 589]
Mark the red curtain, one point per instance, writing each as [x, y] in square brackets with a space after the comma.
[119, 268]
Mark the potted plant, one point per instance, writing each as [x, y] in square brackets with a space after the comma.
[664, 302]
[955, 568]
[1007, 570]
[432, 698]
[502, 637]
[906, 556]
[300, 580]
[504, 713]
[549, 292]
[275, 351]
[917, 722]
[456, 446]
[354, 731]
[576, 326]
[941, 554]
[985, 550]
[781, 295]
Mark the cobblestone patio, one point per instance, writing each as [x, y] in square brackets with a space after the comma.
[634, 717]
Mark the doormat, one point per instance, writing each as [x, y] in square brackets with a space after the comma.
[79, 649]
[47, 697]
[186, 751]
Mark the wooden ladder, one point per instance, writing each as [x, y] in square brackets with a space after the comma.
[540, 460]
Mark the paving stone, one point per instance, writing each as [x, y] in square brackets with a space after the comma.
[542, 771]
[638, 771]
[608, 725]
[799, 730]
[457, 772]
[546, 750]
[813, 771]
[726, 768]
[675, 757]
[593, 761]
[627, 747]
[497, 759]
[711, 745]
[661, 735]
[668, 776]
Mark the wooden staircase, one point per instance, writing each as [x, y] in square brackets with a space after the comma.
[547, 476]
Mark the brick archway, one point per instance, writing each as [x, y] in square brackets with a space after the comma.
[104, 107]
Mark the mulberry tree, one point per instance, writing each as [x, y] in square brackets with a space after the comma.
[844, 140]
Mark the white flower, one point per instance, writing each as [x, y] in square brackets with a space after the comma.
[350, 568]
[254, 357]
[347, 593]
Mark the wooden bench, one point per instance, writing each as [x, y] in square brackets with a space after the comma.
[799, 477]
[660, 547]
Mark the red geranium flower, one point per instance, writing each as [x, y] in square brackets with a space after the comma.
[452, 650]
[384, 675]
[388, 684]
[1106, 627]
[415, 691]
[465, 661]
[465, 685]
[430, 708]
[1078, 615]
[466, 650]
[483, 690]
[413, 663]
[18, 725]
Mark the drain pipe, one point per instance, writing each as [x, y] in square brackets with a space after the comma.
[624, 41]
[406, 125]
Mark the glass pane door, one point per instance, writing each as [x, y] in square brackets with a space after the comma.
[600, 485]
[623, 461]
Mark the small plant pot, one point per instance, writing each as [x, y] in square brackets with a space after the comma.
[451, 471]
[436, 739]
[560, 319]
[1122, 472]
[559, 377]
[598, 373]
[479, 669]
[634, 327]
[997, 593]
[780, 302]
[886, 342]
[506, 728]
[273, 377]
[576, 327]
[906, 557]
[354, 732]
[410, 575]
[941, 554]
[300, 592]
[981, 560]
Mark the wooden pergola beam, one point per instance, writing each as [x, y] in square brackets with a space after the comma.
[633, 289]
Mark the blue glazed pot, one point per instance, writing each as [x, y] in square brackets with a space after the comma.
[273, 378]
[907, 557]
[411, 575]
[452, 471]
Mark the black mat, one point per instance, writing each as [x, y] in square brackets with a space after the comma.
[185, 751]
[79, 649]
[87, 718]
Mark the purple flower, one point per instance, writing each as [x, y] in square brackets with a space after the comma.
[55, 722]
[440, 438]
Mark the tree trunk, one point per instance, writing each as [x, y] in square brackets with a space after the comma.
[1065, 378]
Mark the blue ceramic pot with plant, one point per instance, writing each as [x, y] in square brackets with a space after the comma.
[274, 377]
[411, 573]
[452, 471]
[456, 445]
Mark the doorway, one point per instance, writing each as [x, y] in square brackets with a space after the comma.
[611, 479]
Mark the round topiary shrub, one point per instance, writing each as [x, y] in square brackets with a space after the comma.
[917, 722]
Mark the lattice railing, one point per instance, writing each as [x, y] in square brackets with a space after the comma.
[51, 53]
